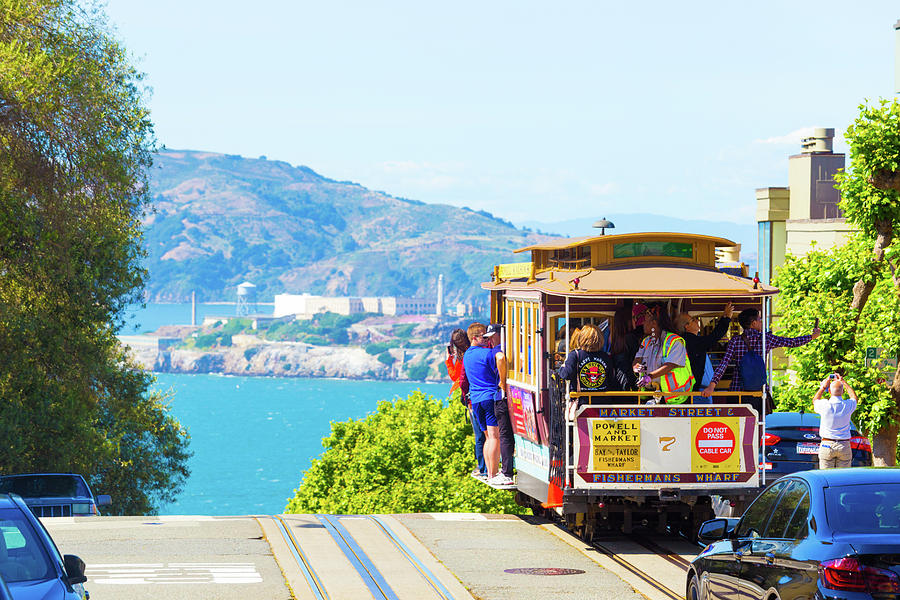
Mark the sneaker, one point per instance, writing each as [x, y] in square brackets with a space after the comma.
[501, 480]
[479, 475]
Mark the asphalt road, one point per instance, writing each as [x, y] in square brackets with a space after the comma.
[416, 557]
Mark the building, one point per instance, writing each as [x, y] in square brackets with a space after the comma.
[306, 305]
[804, 214]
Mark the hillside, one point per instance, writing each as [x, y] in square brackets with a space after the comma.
[222, 219]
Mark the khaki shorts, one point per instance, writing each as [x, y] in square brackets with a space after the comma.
[835, 454]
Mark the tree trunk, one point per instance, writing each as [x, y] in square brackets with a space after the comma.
[884, 446]
[886, 180]
[862, 288]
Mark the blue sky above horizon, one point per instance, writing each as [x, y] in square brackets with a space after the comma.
[532, 111]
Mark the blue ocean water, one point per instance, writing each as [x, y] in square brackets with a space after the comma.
[253, 437]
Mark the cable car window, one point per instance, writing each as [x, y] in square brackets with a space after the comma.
[667, 249]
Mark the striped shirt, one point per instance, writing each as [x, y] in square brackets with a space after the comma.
[737, 348]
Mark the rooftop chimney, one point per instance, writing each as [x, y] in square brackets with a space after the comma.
[822, 140]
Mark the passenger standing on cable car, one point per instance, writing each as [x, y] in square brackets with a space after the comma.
[752, 339]
[698, 346]
[505, 433]
[480, 363]
[590, 369]
[459, 343]
[624, 341]
[662, 356]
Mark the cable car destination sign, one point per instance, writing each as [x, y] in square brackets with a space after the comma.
[658, 446]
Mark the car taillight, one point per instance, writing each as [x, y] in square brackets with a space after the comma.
[860, 443]
[771, 439]
[848, 575]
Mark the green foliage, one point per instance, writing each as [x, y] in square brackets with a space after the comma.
[874, 140]
[403, 331]
[411, 455]
[379, 347]
[75, 146]
[385, 358]
[324, 329]
[820, 284]
[418, 371]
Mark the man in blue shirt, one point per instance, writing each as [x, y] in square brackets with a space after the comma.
[480, 364]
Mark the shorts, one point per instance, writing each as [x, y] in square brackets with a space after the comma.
[483, 415]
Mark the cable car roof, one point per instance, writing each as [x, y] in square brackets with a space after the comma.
[643, 281]
[563, 243]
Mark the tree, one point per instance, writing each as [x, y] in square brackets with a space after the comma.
[75, 145]
[857, 287]
[410, 455]
[821, 285]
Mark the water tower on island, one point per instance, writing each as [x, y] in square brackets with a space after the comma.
[246, 302]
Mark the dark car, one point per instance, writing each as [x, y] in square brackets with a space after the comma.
[792, 441]
[823, 534]
[30, 563]
[54, 494]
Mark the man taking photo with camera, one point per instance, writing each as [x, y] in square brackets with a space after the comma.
[834, 426]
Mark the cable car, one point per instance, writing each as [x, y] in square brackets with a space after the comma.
[623, 458]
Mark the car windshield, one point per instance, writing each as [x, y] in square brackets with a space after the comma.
[44, 486]
[22, 556]
[869, 508]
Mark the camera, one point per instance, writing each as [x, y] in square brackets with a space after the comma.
[831, 376]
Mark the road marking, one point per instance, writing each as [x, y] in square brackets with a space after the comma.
[173, 573]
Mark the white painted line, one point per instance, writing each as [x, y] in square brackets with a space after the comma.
[715, 443]
[458, 516]
[173, 573]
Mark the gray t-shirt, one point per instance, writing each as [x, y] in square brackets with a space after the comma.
[653, 352]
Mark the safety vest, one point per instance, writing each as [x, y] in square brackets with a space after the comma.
[679, 379]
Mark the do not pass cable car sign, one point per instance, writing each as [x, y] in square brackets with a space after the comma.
[715, 442]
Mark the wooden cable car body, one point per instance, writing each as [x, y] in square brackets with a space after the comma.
[619, 461]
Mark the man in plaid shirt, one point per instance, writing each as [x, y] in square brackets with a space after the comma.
[737, 347]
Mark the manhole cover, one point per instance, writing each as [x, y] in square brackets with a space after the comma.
[543, 571]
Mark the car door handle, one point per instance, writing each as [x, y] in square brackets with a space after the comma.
[770, 558]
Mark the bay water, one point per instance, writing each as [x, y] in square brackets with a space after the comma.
[253, 437]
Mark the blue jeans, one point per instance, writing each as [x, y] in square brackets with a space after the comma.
[479, 447]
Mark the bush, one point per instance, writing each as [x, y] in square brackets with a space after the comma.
[386, 358]
[413, 454]
[418, 371]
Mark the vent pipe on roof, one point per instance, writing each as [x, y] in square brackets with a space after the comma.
[822, 140]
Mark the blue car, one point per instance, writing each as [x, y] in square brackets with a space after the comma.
[824, 535]
[30, 563]
[54, 494]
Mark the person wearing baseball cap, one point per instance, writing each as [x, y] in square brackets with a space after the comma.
[485, 387]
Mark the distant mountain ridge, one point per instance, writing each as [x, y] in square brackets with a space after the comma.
[222, 219]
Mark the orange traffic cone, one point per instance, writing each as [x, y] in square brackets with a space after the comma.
[554, 496]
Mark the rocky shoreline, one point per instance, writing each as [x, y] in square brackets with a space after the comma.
[286, 359]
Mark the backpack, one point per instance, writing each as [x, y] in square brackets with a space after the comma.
[753, 369]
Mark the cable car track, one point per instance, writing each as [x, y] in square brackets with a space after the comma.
[373, 578]
[640, 573]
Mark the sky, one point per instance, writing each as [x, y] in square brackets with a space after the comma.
[533, 111]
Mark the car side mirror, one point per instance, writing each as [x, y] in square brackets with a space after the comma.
[104, 500]
[74, 569]
[714, 530]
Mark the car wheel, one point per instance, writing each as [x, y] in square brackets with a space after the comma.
[693, 590]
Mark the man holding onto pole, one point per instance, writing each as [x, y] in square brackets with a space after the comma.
[752, 339]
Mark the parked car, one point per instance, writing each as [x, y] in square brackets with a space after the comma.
[823, 534]
[54, 494]
[792, 441]
[30, 563]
